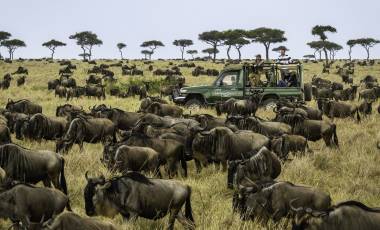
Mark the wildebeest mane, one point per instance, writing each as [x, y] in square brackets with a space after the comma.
[357, 204]
[11, 156]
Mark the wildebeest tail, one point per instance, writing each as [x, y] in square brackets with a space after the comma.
[335, 136]
[357, 115]
[188, 210]
[62, 179]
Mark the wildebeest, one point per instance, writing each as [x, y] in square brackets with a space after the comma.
[348, 215]
[6, 82]
[23, 106]
[135, 158]
[96, 91]
[289, 143]
[67, 109]
[52, 84]
[239, 107]
[21, 70]
[28, 204]
[274, 201]
[338, 109]
[133, 195]
[222, 144]
[21, 80]
[72, 221]
[90, 130]
[12, 119]
[267, 128]
[33, 166]
[370, 94]
[5, 135]
[312, 130]
[77, 92]
[260, 168]
[40, 127]
[68, 82]
[164, 109]
[60, 91]
[144, 104]
[171, 151]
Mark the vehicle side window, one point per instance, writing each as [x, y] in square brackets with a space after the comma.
[229, 79]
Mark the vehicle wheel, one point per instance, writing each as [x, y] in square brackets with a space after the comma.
[193, 104]
[270, 103]
[307, 90]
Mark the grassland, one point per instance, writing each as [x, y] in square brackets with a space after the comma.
[352, 172]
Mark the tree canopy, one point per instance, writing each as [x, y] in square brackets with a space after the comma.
[147, 53]
[367, 44]
[4, 36]
[266, 36]
[236, 39]
[277, 49]
[121, 46]
[152, 45]
[12, 45]
[192, 52]
[210, 51]
[214, 38]
[351, 43]
[52, 45]
[320, 31]
[86, 40]
[183, 43]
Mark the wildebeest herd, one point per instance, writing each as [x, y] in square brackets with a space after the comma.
[149, 151]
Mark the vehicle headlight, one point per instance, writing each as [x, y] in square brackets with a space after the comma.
[183, 91]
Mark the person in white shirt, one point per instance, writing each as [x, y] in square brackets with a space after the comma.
[284, 59]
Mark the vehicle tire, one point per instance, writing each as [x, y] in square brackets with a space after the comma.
[270, 103]
[193, 104]
[307, 90]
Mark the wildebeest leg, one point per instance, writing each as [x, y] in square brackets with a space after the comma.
[184, 221]
[224, 165]
[47, 182]
[198, 165]
[172, 217]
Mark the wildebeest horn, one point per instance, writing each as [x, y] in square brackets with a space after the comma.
[86, 175]
[275, 110]
[292, 206]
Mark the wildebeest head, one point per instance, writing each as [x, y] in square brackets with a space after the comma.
[304, 216]
[21, 127]
[90, 191]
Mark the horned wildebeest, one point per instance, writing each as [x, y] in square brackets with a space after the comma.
[289, 143]
[222, 144]
[164, 109]
[312, 130]
[122, 119]
[135, 158]
[149, 100]
[72, 221]
[52, 84]
[77, 92]
[325, 93]
[133, 195]
[370, 94]
[21, 80]
[67, 109]
[68, 82]
[262, 167]
[366, 107]
[339, 109]
[284, 107]
[6, 82]
[266, 128]
[96, 91]
[21, 70]
[93, 79]
[60, 91]
[274, 201]
[171, 151]
[166, 122]
[369, 81]
[12, 119]
[28, 204]
[348, 215]
[90, 130]
[23, 106]
[40, 127]
[346, 94]
[33, 166]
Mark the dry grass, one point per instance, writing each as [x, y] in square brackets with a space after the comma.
[352, 172]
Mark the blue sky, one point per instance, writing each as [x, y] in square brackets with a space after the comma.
[135, 21]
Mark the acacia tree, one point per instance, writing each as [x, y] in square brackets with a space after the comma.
[86, 40]
[210, 51]
[192, 52]
[317, 47]
[147, 53]
[121, 46]
[367, 43]
[152, 45]
[183, 43]
[4, 36]
[277, 49]
[266, 36]
[320, 31]
[236, 39]
[12, 45]
[332, 47]
[309, 56]
[52, 45]
[213, 38]
[351, 43]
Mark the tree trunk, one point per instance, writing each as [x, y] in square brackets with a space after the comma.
[182, 51]
[52, 54]
[238, 49]
[10, 54]
[320, 54]
[349, 53]
[367, 49]
[326, 56]
[214, 58]
[267, 45]
[84, 53]
[228, 52]
[121, 54]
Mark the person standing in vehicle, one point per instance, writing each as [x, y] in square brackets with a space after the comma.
[254, 77]
[284, 59]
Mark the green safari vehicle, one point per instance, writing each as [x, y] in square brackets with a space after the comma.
[234, 82]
